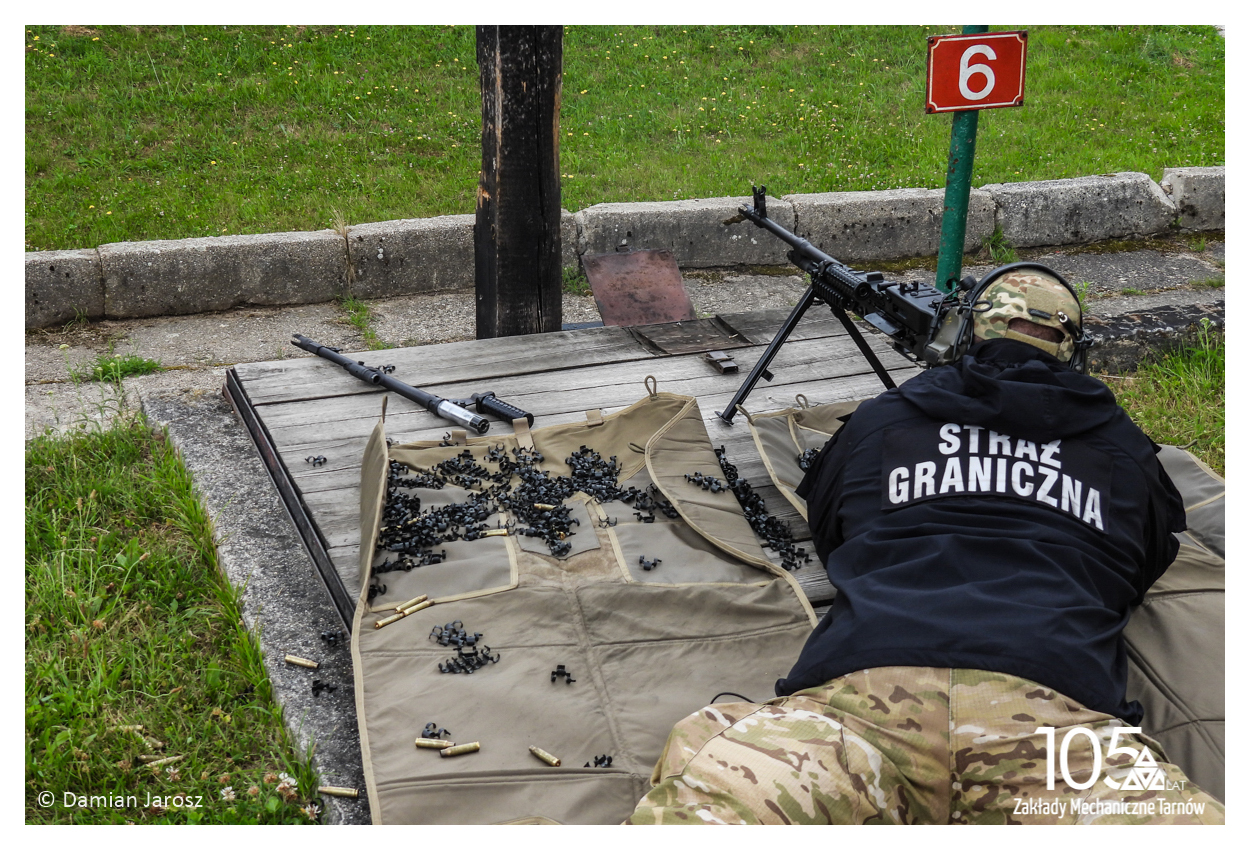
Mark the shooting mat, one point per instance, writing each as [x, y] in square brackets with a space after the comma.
[651, 615]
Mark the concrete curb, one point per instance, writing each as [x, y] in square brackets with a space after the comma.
[413, 256]
[889, 225]
[1081, 209]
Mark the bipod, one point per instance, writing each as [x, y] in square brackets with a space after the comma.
[761, 367]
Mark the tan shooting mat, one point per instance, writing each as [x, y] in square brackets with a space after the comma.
[644, 647]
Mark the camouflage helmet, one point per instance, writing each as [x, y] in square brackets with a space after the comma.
[1036, 294]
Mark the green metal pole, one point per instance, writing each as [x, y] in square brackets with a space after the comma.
[958, 187]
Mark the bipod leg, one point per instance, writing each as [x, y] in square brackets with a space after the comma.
[862, 344]
[761, 367]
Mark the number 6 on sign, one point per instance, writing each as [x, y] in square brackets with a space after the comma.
[957, 82]
[966, 71]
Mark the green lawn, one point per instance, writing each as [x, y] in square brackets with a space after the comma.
[1178, 398]
[142, 686]
[168, 132]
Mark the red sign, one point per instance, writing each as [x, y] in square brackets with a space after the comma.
[980, 71]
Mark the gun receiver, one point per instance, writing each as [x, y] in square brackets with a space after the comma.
[921, 322]
[373, 375]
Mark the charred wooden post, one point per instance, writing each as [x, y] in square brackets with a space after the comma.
[516, 240]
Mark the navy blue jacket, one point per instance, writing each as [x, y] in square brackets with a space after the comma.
[1002, 513]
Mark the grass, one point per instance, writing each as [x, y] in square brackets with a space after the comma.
[170, 132]
[360, 317]
[135, 650]
[998, 248]
[573, 281]
[113, 367]
[1082, 290]
[1178, 398]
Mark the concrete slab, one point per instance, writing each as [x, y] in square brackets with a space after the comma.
[196, 342]
[408, 256]
[450, 316]
[181, 276]
[418, 255]
[1133, 273]
[695, 231]
[411, 255]
[1198, 194]
[893, 224]
[1081, 210]
[62, 286]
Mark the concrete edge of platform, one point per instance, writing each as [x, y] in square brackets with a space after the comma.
[411, 256]
[284, 603]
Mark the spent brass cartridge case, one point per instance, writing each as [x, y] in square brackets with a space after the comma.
[302, 662]
[149, 743]
[434, 743]
[420, 606]
[336, 791]
[461, 749]
[543, 507]
[545, 756]
[401, 606]
[168, 760]
[496, 532]
[388, 620]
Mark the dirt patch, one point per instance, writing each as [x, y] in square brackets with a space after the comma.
[78, 31]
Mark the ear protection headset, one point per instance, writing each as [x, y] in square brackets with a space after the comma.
[975, 303]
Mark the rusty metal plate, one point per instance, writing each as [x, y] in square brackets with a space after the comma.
[634, 288]
[714, 334]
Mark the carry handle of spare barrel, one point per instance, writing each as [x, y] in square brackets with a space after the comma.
[490, 403]
[372, 375]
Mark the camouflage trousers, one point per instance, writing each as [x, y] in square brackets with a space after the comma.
[916, 745]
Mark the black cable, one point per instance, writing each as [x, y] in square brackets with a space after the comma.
[730, 694]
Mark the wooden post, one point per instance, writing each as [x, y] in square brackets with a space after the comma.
[516, 240]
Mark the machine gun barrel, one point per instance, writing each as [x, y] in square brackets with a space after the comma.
[918, 319]
[372, 375]
[834, 282]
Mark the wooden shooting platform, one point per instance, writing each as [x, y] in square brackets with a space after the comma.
[305, 407]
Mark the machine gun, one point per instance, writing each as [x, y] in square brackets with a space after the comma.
[449, 409]
[923, 323]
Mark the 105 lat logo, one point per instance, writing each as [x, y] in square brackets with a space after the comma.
[1142, 773]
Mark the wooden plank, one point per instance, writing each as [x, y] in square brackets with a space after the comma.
[516, 236]
[342, 442]
[600, 385]
[760, 326]
[307, 376]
